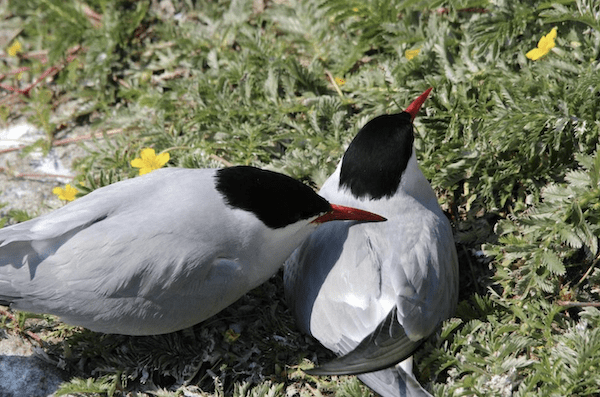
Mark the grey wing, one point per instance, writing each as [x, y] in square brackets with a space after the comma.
[427, 289]
[309, 265]
[333, 285]
[25, 245]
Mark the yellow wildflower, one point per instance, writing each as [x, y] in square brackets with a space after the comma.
[339, 81]
[355, 9]
[68, 193]
[410, 54]
[544, 46]
[14, 48]
[149, 161]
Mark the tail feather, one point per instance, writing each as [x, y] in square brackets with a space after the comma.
[397, 381]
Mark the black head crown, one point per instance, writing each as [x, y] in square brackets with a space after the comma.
[373, 164]
[276, 199]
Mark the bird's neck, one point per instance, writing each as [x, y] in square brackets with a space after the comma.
[414, 183]
[275, 245]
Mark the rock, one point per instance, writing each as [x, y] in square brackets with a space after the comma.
[22, 373]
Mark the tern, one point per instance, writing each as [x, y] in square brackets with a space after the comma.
[373, 293]
[160, 252]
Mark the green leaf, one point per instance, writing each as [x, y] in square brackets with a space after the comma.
[553, 263]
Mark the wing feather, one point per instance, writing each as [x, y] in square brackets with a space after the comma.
[383, 348]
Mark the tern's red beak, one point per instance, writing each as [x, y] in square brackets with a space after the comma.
[414, 107]
[341, 213]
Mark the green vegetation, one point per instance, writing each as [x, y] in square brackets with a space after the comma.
[510, 144]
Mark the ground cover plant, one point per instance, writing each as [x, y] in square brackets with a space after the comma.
[508, 138]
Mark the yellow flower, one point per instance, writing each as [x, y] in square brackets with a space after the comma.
[355, 9]
[544, 46]
[68, 193]
[339, 81]
[14, 48]
[149, 161]
[410, 54]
